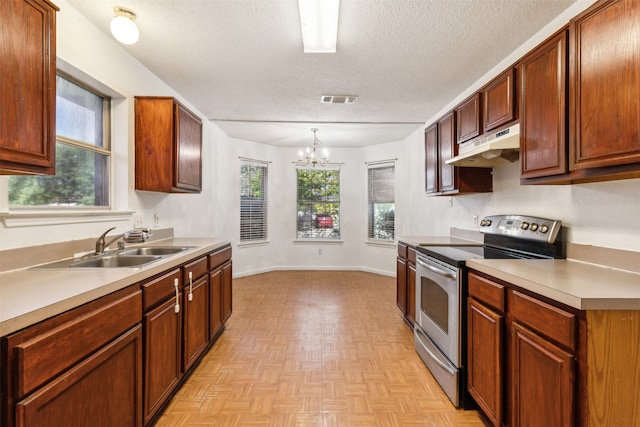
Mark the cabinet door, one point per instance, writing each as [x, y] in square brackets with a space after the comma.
[215, 303]
[605, 54]
[401, 284]
[499, 100]
[227, 289]
[468, 119]
[543, 388]
[431, 159]
[196, 320]
[188, 151]
[447, 148]
[411, 293]
[485, 359]
[104, 390]
[543, 108]
[162, 327]
[28, 87]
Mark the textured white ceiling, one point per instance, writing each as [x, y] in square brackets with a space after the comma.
[241, 62]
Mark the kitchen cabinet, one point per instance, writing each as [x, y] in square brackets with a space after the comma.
[168, 146]
[406, 282]
[543, 124]
[485, 349]
[444, 179]
[28, 87]
[162, 325]
[220, 294]
[604, 97]
[196, 310]
[584, 127]
[545, 363]
[499, 100]
[63, 368]
[468, 117]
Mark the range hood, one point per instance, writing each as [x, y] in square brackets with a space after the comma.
[486, 150]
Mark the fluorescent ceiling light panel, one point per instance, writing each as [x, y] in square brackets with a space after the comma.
[319, 22]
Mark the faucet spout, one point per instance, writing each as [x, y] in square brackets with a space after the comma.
[100, 243]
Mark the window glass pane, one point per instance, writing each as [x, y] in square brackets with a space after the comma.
[318, 209]
[79, 113]
[81, 180]
[253, 202]
[381, 209]
[82, 158]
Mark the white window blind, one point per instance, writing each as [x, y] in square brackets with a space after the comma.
[318, 209]
[253, 201]
[381, 201]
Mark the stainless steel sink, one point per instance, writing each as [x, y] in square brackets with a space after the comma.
[116, 261]
[154, 250]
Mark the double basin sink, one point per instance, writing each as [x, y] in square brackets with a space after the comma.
[126, 258]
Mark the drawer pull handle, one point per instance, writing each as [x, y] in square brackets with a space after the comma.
[190, 286]
[177, 306]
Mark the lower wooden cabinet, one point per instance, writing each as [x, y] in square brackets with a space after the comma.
[196, 321]
[227, 293]
[91, 394]
[406, 282]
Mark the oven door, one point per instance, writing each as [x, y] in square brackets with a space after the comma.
[438, 305]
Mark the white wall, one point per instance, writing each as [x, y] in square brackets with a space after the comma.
[602, 214]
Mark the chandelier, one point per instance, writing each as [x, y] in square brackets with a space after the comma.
[311, 157]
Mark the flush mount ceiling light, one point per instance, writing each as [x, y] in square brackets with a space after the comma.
[319, 22]
[123, 27]
[311, 157]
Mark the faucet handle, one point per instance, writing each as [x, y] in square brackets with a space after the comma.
[105, 233]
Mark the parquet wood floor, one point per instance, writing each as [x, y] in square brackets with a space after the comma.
[314, 349]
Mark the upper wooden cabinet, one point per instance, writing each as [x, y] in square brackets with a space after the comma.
[441, 178]
[28, 87]
[468, 117]
[543, 109]
[605, 58]
[168, 153]
[499, 102]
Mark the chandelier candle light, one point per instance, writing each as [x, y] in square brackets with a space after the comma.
[310, 158]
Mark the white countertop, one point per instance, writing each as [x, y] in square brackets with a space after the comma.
[28, 296]
[578, 284]
[437, 241]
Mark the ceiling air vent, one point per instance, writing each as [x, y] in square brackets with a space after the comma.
[338, 99]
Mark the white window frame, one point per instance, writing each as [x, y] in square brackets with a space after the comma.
[379, 191]
[262, 204]
[338, 237]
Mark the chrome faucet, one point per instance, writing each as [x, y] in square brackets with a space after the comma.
[100, 243]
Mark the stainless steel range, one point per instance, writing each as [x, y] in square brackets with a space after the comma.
[441, 291]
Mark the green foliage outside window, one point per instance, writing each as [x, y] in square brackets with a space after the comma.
[318, 213]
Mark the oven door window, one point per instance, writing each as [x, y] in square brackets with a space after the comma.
[434, 302]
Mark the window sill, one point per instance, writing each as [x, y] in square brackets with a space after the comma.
[318, 241]
[25, 218]
[253, 243]
[381, 243]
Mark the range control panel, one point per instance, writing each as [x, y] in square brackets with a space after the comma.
[523, 227]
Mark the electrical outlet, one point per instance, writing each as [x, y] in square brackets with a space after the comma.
[450, 201]
[137, 221]
[319, 251]
[475, 220]
[156, 220]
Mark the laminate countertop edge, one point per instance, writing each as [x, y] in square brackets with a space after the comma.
[28, 296]
[575, 283]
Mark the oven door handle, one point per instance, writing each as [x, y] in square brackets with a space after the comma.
[436, 359]
[436, 270]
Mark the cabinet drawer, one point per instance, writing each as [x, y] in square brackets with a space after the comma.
[46, 355]
[488, 292]
[157, 290]
[411, 254]
[551, 321]
[197, 269]
[402, 250]
[219, 257]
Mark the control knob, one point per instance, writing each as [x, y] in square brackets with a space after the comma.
[544, 228]
[524, 225]
[533, 227]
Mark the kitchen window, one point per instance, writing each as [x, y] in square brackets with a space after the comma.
[82, 153]
[381, 201]
[253, 200]
[318, 204]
